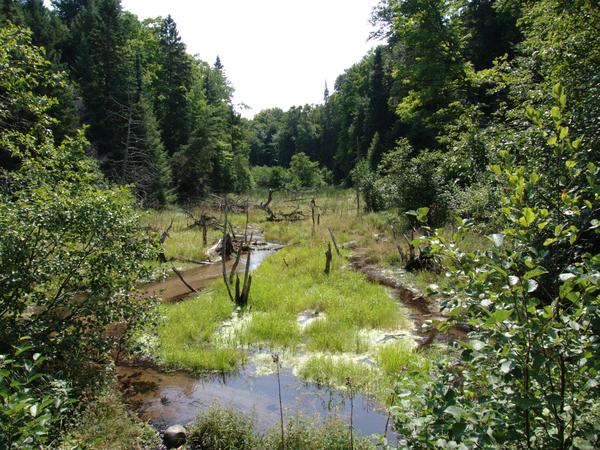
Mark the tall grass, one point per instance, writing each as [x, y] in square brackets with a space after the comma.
[186, 335]
[225, 428]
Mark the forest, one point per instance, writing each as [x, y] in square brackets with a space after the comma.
[425, 241]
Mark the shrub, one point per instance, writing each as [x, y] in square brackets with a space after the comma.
[31, 403]
[222, 428]
[529, 375]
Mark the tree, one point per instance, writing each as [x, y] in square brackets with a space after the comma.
[71, 249]
[528, 374]
[103, 74]
[172, 85]
[305, 172]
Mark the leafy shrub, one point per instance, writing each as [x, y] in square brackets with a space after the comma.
[410, 181]
[275, 177]
[305, 172]
[31, 403]
[529, 375]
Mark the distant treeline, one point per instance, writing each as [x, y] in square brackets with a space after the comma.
[418, 120]
[158, 118]
[414, 123]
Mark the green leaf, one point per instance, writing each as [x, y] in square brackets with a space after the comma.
[455, 411]
[506, 366]
[549, 241]
[495, 168]
[422, 214]
[499, 316]
[535, 273]
[529, 216]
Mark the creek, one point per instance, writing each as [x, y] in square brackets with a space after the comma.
[166, 398]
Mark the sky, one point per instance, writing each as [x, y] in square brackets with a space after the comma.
[276, 53]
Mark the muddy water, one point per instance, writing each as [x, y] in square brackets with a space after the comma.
[172, 289]
[165, 399]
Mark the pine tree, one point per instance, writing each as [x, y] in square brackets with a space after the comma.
[103, 72]
[174, 80]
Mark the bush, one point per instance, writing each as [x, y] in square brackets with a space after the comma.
[32, 404]
[410, 181]
[529, 375]
[270, 177]
[222, 428]
[305, 172]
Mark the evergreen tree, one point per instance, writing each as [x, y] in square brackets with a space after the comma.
[173, 83]
[103, 73]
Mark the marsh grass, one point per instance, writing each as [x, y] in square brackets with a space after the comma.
[226, 428]
[187, 331]
[106, 424]
[335, 371]
[280, 293]
[286, 285]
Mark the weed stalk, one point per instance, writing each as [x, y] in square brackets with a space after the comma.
[275, 357]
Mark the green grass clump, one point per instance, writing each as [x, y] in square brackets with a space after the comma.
[226, 428]
[272, 328]
[334, 336]
[105, 424]
[400, 357]
[185, 336]
[335, 372]
[301, 433]
[222, 428]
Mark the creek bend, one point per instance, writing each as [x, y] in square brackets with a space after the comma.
[165, 398]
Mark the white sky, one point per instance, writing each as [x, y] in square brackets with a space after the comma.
[275, 52]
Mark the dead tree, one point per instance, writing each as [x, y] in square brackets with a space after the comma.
[313, 209]
[328, 256]
[337, 250]
[161, 256]
[180, 275]
[239, 296]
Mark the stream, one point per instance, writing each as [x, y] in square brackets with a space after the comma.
[168, 398]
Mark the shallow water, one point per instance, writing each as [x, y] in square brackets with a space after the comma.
[165, 399]
[173, 290]
[168, 398]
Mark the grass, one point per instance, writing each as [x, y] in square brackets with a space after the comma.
[187, 331]
[288, 284]
[347, 300]
[331, 371]
[226, 428]
[273, 330]
[106, 424]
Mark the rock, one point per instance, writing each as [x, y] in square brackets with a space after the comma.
[175, 436]
[350, 245]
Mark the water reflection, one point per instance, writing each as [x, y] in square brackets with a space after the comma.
[165, 399]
